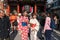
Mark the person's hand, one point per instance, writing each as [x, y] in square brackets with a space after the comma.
[43, 31]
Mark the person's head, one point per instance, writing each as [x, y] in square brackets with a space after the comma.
[34, 15]
[55, 17]
[43, 14]
[48, 14]
[1, 13]
[15, 13]
[10, 14]
[24, 13]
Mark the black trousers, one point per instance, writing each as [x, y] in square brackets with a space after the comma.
[39, 33]
[5, 38]
[48, 34]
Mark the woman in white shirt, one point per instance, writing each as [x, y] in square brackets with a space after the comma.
[34, 27]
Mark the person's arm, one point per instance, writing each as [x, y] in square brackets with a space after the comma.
[46, 23]
[37, 25]
[8, 24]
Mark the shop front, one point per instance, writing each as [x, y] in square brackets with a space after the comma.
[30, 6]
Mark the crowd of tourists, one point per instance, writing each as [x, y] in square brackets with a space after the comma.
[30, 27]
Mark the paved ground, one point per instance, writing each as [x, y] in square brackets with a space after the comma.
[17, 37]
[55, 36]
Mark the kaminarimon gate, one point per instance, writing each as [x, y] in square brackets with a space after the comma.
[36, 6]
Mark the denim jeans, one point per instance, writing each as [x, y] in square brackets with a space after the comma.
[48, 34]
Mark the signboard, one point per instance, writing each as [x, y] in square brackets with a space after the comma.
[27, 7]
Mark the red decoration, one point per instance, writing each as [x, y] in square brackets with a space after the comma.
[33, 25]
[18, 8]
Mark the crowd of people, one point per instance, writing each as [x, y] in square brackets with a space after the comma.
[28, 26]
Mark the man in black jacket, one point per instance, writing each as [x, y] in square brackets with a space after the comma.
[41, 19]
[4, 26]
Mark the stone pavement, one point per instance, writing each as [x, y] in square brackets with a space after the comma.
[17, 37]
[55, 35]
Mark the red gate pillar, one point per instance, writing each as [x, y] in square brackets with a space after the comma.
[18, 8]
[35, 8]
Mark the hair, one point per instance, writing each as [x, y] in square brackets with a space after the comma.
[33, 14]
[48, 14]
[23, 12]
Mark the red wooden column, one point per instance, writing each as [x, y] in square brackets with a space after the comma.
[35, 8]
[18, 8]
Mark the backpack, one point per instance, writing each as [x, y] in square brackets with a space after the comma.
[52, 24]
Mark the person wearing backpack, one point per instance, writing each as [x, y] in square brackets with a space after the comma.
[47, 29]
